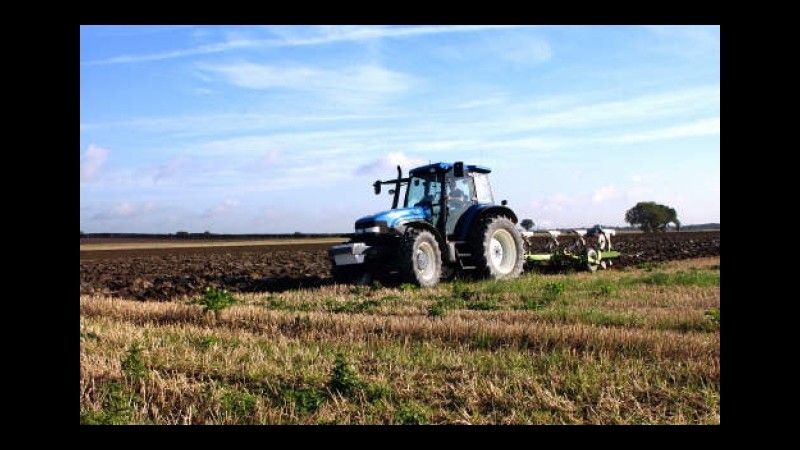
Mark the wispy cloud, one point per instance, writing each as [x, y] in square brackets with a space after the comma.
[386, 164]
[637, 109]
[170, 168]
[696, 128]
[525, 50]
[323, 36]
[351, 83]
[125, 210]
[603, 194]
[687, 40]
[223, 208]
[92, 162]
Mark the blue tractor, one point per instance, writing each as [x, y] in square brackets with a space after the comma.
[443, 220]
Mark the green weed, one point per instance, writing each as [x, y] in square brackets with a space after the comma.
[411, 414]
[344, 378]
[133, 365]
[408, 287]
[713, 316]
[307, 400]
[215, 300]
[117, 408]
[207, 342]
[238, 404]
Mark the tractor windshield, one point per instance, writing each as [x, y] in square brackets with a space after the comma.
[424, 190]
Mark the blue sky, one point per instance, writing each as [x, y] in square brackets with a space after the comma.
[275, 129]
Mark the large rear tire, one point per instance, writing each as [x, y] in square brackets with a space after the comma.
[498, 248]
[420, 258]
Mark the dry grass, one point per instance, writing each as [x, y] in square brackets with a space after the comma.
[632, 346]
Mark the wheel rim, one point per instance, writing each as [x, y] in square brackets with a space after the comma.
[425, 261]
[502, 251]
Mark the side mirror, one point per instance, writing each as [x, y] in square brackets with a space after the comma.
[377, 186]
[504, 202]
[458, 169]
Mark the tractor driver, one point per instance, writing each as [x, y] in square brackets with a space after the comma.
[454, 193]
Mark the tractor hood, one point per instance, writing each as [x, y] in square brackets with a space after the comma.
[382, 221]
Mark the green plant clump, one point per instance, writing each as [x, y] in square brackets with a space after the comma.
[133, 364]
[215, 300]
[344, 379]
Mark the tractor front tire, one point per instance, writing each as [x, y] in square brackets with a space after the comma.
[420, 258]
[498, 248]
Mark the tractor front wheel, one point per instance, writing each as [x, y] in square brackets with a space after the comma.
[420, 258]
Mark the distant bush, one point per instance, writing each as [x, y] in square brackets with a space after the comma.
[651, 216]
[182, 235]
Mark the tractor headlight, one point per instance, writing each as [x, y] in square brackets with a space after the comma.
[375, 229]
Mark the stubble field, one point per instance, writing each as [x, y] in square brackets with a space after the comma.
[638, 344]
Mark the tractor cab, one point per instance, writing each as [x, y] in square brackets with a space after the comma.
[446, 192]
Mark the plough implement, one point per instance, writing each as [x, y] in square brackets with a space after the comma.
[582, 249]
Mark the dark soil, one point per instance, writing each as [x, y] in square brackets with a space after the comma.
[162, 274]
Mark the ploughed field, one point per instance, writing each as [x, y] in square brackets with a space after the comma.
[165, 273]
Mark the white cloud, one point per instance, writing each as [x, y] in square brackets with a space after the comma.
[221, 209]
[628, 111]
[267, 160]
[526, 50]
[687, 40]
[697, 128]
[386, 165]
[352, 83]
[553, 203]
[319, 36]
[170, 169]
[92, 162]
[125, 210]
[603, 194]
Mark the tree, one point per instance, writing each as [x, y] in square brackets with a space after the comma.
[651, 216]
[527, 224]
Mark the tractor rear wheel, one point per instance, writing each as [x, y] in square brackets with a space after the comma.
[420, 258]
[498, 248]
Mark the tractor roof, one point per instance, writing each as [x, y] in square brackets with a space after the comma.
[444, 167]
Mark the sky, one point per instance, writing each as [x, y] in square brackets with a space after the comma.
[282, 129]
